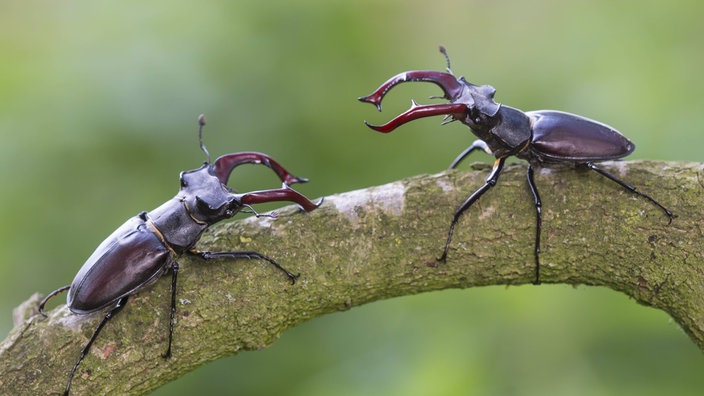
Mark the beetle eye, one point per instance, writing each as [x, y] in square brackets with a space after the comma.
[183, 183]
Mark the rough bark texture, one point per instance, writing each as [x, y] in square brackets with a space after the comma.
[377, 243]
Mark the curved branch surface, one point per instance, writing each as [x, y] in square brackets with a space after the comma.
[377, 243]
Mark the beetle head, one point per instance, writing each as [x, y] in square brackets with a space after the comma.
[206, 198]
[468, 102]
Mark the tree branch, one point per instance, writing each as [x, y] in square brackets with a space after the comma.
[377, 243]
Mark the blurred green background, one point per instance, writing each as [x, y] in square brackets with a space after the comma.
[98, 107]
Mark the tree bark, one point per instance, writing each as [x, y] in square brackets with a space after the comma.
[376, 243]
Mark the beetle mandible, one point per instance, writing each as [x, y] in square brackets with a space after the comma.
[148, 245]
[544, 138]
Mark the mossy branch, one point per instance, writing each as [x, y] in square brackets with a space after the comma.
[378, 243]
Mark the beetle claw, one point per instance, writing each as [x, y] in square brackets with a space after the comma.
[225, 164]
[450, 85]
[453, 110]
[293, 277]
[281, 194]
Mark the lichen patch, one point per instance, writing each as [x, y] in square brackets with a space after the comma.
[388, 198]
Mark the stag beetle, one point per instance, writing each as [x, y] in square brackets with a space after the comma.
[148, 245]
[544, 138]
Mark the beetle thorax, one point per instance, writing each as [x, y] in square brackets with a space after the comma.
[507, 133]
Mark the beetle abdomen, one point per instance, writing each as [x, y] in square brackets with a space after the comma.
[564, 136]
[130, 258]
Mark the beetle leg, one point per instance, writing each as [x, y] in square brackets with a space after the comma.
[451, 87]
[245, 255]
[224, 165]
[630, 188]
[172, 316]
[281, 194]
[118, 306]
[456, 110]
[539, 222]
[49, 297]
[490, 182]
[476, 145]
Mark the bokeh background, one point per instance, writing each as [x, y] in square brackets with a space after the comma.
[98, 107]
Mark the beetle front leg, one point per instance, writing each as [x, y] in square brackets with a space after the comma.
[245, 255]
[490, 182]
[476, 145]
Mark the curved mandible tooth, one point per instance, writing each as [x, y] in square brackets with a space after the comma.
[455, 110]
[224, 165]
[280, 194]
[451, 87]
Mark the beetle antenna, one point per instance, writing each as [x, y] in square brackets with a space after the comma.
[201, 124]
[447, 58]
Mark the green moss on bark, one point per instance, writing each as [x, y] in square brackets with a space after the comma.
[379, 243]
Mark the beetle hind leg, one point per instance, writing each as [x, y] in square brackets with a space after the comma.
[630, 188]
[538, 222]
[115, 309]
[49, 297]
